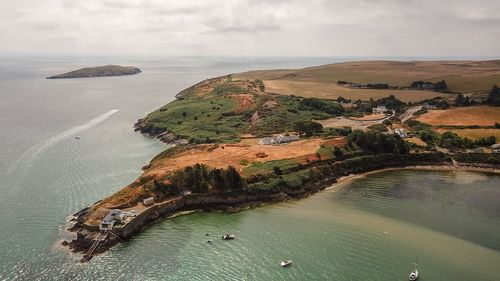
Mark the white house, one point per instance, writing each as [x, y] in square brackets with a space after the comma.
[278, 139]
[114, 217]
[379, 109]
[401, 132]
[148, 201]
[110, 220]
[495, 148]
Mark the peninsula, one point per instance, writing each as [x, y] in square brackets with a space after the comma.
[99, 71]
[259, 137]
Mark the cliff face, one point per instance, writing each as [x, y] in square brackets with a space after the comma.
[100, 71]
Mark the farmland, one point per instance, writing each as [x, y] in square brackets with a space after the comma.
[468, 77]
[462, 116]
[333, 91]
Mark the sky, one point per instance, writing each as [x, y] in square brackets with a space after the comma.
[251, 27]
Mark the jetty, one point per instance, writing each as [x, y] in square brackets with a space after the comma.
[88, 255]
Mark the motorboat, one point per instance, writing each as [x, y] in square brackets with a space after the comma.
[228, 236]
[414, 274]
[285, 263]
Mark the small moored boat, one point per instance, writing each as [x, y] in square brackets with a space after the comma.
[228, 236]
[285, 263]
[414, 274]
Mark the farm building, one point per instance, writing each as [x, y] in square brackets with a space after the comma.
[278, 140]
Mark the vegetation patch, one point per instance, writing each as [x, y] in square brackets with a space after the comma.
[267, 167]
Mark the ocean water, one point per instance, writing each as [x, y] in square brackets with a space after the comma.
[373, 228]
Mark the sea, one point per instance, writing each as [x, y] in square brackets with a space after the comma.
[65, 144]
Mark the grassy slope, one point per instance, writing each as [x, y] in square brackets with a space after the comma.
[221, 111]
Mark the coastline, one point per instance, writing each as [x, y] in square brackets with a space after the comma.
[216, 202]
[342, 181]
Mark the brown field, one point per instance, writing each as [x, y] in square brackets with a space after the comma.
[474, 134]
[320, 81]
[462, 116]
[333, 91]
[232, 154]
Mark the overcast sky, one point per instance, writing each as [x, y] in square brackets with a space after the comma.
[252, 27]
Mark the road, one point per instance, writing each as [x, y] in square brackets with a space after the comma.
[409, 113]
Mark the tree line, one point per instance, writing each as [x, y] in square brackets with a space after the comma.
[201, 179]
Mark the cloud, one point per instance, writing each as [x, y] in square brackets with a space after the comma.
[252, 27]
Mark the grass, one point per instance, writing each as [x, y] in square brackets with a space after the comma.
[282, 117]
[208, 113]
[267, 167]
[200, 119]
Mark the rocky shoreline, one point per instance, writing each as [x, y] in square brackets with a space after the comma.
[86, 235]
[162, 135]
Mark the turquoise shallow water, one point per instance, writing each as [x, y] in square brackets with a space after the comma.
[370, 229]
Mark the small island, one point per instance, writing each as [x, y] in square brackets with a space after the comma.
[243, 140]
[99, 71]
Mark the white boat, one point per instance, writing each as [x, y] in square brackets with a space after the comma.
[228, 236]
[414, 274]
[285, 263]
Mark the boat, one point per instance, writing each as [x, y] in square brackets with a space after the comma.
[228, 236]
[209, 241]
[414, 274]
[285, 263]
[77, 138]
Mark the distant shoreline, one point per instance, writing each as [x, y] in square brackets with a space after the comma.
[99, 71]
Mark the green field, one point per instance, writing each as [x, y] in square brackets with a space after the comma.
[223, 111]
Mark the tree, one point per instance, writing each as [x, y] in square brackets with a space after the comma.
[217, 179]
[277, 170]
[440, 86]
[378, 142]
[338, 152]
[494, 96]
[233, 178]
[308, 128]
[461, 100]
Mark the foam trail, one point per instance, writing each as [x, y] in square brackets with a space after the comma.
[27, 157]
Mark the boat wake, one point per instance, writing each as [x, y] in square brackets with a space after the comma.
[24, 162]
